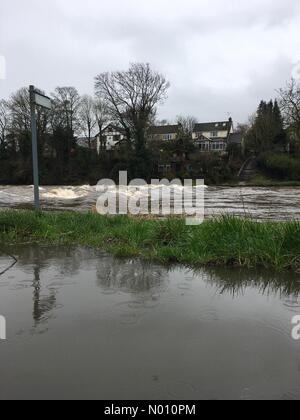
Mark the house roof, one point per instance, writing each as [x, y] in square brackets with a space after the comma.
[115, 128]
[213, 126]
[235, 138]
[164, 129]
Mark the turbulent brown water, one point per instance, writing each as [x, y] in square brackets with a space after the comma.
[82, 325]
[259, 203]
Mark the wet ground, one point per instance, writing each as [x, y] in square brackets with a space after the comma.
[81, 324]
[260, 203]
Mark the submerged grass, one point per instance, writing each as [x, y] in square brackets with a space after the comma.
[224, 241]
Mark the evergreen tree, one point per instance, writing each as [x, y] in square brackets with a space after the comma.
[267, 132]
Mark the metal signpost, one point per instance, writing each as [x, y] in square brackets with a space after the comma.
[36, 98]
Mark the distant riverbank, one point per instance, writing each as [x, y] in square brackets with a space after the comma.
[226, 241]
[262, 181]
[257, 181]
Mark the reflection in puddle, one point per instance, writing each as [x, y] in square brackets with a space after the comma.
[82, 324]
[236, 282]
[134, 276]
[42, 305]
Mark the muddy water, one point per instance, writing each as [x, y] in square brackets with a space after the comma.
[81, 324]
[259, 203]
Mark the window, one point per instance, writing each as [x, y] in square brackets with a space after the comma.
[214, 134]
[204, 147]
[218, 146]
[164, 168]
[168, 137]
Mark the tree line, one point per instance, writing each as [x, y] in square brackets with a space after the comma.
[128, 99]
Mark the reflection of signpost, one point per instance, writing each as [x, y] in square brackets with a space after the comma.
[36, 98]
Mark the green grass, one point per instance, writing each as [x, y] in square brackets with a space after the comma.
[261, 180]
[224, 241]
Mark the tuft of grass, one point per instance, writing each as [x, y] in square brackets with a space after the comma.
[224, 241]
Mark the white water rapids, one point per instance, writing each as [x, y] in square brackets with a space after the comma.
[260, 203]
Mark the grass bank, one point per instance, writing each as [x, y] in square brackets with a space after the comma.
[224, 241]
[262, 181]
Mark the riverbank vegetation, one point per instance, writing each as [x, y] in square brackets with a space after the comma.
[227, 241]
[280, 166]
[273, 137]
[262, 181]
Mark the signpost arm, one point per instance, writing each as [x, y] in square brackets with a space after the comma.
[34, 149]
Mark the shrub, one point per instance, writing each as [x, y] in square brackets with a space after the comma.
[280, 166]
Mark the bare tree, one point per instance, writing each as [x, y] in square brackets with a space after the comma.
[19, 106]
[4, 122]
[290, 108]
[187, 124]
[87, 117]
[20, 122]
[66, 104]
[243, 128]
[132, 97]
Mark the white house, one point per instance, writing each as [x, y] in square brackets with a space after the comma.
[112, 136]
[213, 136]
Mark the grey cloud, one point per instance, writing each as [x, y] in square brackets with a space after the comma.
[220, 56]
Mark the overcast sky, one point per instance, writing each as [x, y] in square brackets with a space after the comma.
[221, 57]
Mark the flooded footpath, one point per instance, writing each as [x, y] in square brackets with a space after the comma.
[84, 325]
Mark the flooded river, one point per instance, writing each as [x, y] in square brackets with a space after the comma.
[81, 324]
[259, 203]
